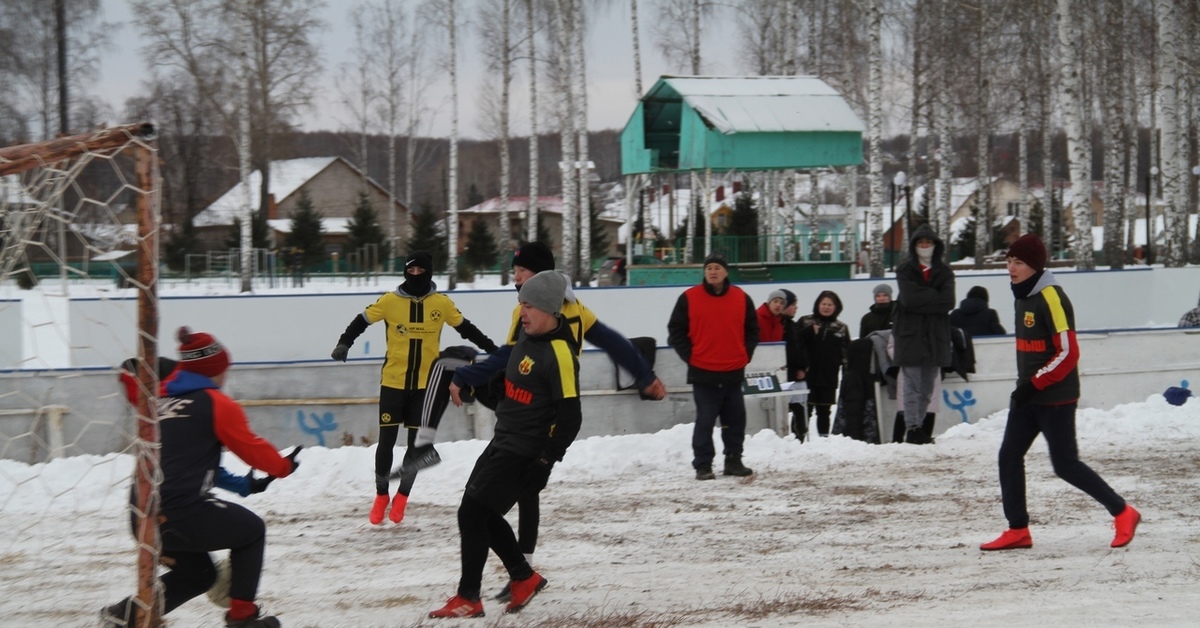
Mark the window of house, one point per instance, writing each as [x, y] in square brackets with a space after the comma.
[1011, 208]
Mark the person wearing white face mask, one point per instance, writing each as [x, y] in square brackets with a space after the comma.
[921, 327]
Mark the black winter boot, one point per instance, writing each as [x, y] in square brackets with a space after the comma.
[734, 466]
[927, 426]
[799, 421]
[898, 429]
[705, 473]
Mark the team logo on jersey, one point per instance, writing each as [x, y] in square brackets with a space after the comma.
[386, 417]
[526, 365]
[401, 329]
[1028, 319]
[435, 315]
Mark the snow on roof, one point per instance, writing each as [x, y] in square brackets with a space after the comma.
[766, 104]
[552, 204]
[286, 177]
[329, 226]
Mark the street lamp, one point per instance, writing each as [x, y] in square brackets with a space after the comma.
[1149, 199]
[897, 182]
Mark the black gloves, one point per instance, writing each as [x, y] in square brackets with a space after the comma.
[258, 485]
[340, 352]
[1023, 394]
[292, 457]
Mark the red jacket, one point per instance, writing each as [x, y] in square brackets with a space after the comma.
[770, 326]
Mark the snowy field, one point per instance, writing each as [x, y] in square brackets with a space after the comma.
[831, 533]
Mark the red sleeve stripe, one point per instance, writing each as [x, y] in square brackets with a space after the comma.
[1064, 361]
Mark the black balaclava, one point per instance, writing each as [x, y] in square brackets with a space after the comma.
[418, 285]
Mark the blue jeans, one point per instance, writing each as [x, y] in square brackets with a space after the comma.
[715, 401]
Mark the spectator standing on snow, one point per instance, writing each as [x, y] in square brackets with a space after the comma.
[825, 340]
[879, 316]
[414, 315]
[197, 421]
[921, 325]
[714, 329]
[975, 317]
[1045, 399]
[770, 317]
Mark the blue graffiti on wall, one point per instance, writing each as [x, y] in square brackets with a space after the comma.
[320, 425]
[965, 400]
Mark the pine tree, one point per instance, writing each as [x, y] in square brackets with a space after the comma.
[364, 229]
[258, 232]
[1037, 219]
[598, 242]
[306, 231]
[473, 196]
[183, 242]
[481, 250]
[427, 237]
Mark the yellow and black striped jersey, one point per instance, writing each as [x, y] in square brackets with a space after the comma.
[414, 334]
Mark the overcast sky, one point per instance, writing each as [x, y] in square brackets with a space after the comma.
[611, 95]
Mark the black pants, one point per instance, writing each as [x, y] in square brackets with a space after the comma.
[186, 542]
[500, 478]
[397, 408]
[820, 401]
[713, 401]
[1057, 425]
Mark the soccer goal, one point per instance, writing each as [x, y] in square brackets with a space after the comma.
[79, 250]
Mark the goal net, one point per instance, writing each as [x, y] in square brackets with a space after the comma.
[79, 232]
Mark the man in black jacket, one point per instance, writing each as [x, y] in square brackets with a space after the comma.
[975, 317]
[536, 421]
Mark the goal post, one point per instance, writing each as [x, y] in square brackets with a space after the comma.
[66, 201]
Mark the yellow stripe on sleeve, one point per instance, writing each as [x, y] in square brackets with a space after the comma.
[1057, 313]
[566, 367]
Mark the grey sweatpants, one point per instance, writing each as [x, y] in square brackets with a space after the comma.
[918, 391]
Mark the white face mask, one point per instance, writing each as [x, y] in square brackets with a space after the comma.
[925, 254]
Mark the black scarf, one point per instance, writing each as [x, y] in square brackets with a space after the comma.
[1022, 290]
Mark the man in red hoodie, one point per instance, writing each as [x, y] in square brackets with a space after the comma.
[196, 421]
[704, 329]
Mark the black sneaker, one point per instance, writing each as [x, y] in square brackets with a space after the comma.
[117, 615]
[917, 436]
[734, 466]
[505, 594]
[705, 473]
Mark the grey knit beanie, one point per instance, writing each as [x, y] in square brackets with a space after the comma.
[545, 291]
[777, 294]
[882, 288]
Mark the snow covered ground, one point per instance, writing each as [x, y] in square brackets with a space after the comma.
[829, 533]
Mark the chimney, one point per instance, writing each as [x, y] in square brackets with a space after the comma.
[272, 208]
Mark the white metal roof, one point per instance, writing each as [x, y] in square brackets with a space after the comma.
[767, 104]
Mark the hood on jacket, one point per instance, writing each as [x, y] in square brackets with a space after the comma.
[924, 231]
[972, 305]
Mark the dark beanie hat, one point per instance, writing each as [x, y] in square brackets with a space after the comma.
[534, 256]
[1029, 249]
[789, 297]
[978, 292]
[201, 353]
[716, 258]
[420, 259]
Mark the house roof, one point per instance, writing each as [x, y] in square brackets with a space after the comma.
[287, 176]
[329, 226]
[516, 204]
[762, 104]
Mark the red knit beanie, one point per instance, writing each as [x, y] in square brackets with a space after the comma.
[1029, 249]
[201, 353]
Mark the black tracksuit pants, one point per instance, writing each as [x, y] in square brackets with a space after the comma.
[1057, 425]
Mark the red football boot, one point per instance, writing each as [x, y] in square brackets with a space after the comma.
[1013, 538]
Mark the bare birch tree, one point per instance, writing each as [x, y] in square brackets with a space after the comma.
[1174, 163]
[495, 30]
[875, 132]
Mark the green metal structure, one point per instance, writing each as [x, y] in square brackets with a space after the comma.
[753, 123]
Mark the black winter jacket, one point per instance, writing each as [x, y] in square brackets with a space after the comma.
[921, 323]
[976, 318]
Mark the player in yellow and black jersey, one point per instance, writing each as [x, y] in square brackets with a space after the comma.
[414, 315]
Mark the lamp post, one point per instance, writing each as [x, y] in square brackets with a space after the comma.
[897, 182]
[1149, 199]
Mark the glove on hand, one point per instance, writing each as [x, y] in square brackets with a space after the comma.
[292, 457]
[340, 352]
[258, 485]
[1023, 393]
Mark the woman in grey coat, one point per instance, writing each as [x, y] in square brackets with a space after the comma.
[921, 324]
